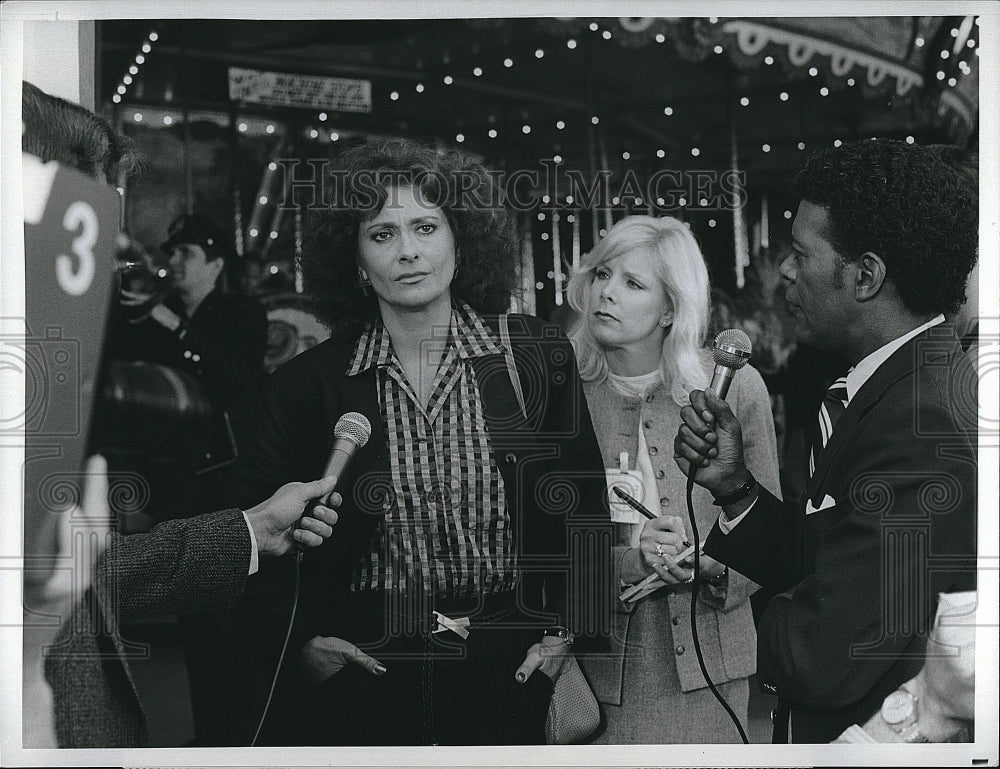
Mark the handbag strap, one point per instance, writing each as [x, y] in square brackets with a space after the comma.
[508, 354]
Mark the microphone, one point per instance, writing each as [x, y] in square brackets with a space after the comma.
[351, 432]
[730, 352]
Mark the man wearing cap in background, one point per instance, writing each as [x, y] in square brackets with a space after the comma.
[197, 330]
[218, 338]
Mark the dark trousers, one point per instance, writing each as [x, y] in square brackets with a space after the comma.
[439, 688]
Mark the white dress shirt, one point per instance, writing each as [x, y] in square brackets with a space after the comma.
[254, 555]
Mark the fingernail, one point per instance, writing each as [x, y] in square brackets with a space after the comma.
[520, 677]
[380, 669]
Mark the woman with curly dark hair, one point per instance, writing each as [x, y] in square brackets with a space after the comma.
[456, 182]
[455, 565]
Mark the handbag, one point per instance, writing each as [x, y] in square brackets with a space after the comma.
[574, 713]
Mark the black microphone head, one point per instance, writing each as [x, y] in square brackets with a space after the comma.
[353, 426]
[732, 348]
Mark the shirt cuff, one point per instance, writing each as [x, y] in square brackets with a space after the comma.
[855, 734]
[726, 525]
[254, 556]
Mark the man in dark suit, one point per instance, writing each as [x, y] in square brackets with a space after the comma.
[884, 239]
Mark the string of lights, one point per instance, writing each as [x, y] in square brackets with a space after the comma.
[829, 73]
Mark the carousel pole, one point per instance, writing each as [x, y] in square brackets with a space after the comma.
[591, 146]
[299, 280]
[188, 176]
[605, 166]
[741, 247]
[576, 237]
[235, 180]
[557, 271]
[527, 270]
[765, 224]
[741, 244]
[298, 143]
[122, 181]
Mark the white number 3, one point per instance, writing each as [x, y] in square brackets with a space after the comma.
[76, 282]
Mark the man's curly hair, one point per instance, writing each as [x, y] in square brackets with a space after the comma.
[904, 203]
[356, 187]
[55, 129]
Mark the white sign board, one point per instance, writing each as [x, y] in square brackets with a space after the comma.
[284, 89]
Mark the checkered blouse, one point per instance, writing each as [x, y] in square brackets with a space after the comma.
[446, 531]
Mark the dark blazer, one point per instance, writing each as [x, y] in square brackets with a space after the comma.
[549, 460]
[185, 565]
[887, 522]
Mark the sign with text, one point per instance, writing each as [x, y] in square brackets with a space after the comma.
[70, 230]
[284, 89]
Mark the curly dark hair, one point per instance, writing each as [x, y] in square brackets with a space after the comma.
[906, 204]
[965, 160]
[55, 129]
[355, 189]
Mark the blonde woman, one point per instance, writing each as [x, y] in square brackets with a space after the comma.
[643, 299]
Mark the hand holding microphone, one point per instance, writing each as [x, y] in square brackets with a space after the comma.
[278, 523]
[710, 436]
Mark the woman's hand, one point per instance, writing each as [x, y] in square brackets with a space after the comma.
[325, 656]
[660, 542]
[550, 655]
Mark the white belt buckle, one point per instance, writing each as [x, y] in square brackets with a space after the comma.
[457, 626]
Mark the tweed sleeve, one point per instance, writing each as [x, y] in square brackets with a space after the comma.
[181, 566]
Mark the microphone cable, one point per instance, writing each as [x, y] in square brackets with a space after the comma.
[692, 471]
[284, 646]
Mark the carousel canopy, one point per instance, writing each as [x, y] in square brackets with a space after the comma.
[624, 97]
[538, 84]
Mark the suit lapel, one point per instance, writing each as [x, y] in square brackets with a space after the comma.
[361, 393]
[899, 365]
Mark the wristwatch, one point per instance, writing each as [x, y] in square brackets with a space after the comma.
[899, 711]
[558, 631]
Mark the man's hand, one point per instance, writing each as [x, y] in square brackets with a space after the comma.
[711, 440]
[274, 519]
[549, 656]
[129, 298]
[166, 317]
[323, 657]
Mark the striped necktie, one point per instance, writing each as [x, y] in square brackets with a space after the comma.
[833, 405]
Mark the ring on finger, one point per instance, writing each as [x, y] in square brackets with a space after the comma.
[659, 550]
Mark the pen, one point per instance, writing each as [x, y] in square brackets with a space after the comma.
[634, 503]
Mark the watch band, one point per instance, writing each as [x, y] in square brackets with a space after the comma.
[899, 712]
[558, 631]
[741, 491]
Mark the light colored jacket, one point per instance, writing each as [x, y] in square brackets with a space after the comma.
[725, 621]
